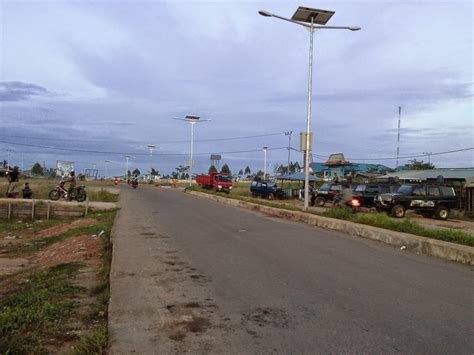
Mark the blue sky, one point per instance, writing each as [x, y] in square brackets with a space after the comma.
[109, 76]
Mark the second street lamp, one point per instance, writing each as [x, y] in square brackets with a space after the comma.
[311, 19]
[193, 120]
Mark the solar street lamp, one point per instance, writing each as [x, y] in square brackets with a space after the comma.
[151, 147]
[193, 120]
[311, 19]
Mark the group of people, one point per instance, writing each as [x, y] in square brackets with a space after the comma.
[13, 177]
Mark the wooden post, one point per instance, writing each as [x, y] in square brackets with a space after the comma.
[9, 214]
[32, 209]
[48, 210]
[87, 207]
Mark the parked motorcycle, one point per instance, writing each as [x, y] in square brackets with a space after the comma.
[78, 193]
[134, 183]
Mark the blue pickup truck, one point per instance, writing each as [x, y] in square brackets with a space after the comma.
[266, 189]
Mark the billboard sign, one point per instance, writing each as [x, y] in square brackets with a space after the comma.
[63, 167]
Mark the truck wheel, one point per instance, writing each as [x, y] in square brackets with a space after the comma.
[442, 212]
[320, 201]
[270, 196]
[398, 211]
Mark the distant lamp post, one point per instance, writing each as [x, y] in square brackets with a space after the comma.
[265, 163]
[106, 162]
[127, 157]
[288, 134]
[151, 147]
[193, 120]
[308, 17]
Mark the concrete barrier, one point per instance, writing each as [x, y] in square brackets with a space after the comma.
[438, 248]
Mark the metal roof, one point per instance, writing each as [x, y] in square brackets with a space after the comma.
[458, 173]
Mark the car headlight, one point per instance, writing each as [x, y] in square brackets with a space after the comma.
[230, 187]
[219, 186]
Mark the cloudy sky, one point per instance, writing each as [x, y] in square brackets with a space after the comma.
[107, 77]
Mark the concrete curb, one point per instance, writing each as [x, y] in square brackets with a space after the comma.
[449, 251]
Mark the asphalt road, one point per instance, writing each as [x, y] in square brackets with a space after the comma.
[192, 275]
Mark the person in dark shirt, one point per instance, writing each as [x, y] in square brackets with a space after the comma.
[13, 177]
[27, 192]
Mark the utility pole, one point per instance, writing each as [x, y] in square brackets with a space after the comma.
[265, 163]
[288, 134]
[398, 138]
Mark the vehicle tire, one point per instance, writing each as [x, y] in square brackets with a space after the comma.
[398, 211]
[320, 201]
[54, 195]
[254, 195]
[442, 212]
[81, 196]
[270, 196]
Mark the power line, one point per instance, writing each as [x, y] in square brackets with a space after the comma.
[417, 155]
[161, 142]
[135, 153]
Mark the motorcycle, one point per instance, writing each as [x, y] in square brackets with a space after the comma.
[78, 193]
[134, 183]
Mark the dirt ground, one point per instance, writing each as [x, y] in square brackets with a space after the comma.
[84, 249]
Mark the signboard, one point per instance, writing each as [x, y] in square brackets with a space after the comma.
[215, 157]
[63, 167]
[303, 141]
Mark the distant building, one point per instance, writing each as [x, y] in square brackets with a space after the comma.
[338, 166]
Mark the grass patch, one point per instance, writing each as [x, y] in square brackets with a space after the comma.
[35, 313]
[380, 220]
[19, 225]
[102, 195]
[95, 343]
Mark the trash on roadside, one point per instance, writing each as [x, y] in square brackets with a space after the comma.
[102, 232]
[403, 247]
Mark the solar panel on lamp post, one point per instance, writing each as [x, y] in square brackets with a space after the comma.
[193, 120]
[311, 19]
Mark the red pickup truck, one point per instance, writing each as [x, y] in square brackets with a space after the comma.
[215, 181]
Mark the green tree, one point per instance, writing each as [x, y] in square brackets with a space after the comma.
[212, 169]
[259, 173]
[225, 169]
[241, 172]
[136, 172]
[154, 172]
[37, 169]
[419, 165]
[247, 170]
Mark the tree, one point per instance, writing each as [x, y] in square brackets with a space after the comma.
[212, 169]
[241, 172]
[154, 172]
[225, 170]
[419, 165]
[259, 173]
[136, 172]
[37, 169]
[247, 170]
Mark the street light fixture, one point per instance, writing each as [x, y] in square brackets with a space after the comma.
[106, 168]
[265, 163]
[311, 19]
[193, 120]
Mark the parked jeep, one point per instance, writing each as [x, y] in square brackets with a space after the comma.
[327, 192]
[426, 199]
[364, 194]
[266, 189]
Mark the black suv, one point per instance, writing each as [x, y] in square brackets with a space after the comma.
[266, 189]
[364, 194]
[426, 199]
[327, 192]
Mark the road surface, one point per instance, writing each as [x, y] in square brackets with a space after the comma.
[192, 275]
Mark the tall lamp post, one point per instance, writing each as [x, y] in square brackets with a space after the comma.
[311, 19]
[265, 163]
[193, 120]
[288, 134]
[151, 147]
[106, 168]
[127, 157]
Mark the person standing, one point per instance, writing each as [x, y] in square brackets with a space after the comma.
[13, 178]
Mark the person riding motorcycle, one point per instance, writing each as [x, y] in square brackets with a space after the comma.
[71, 179]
